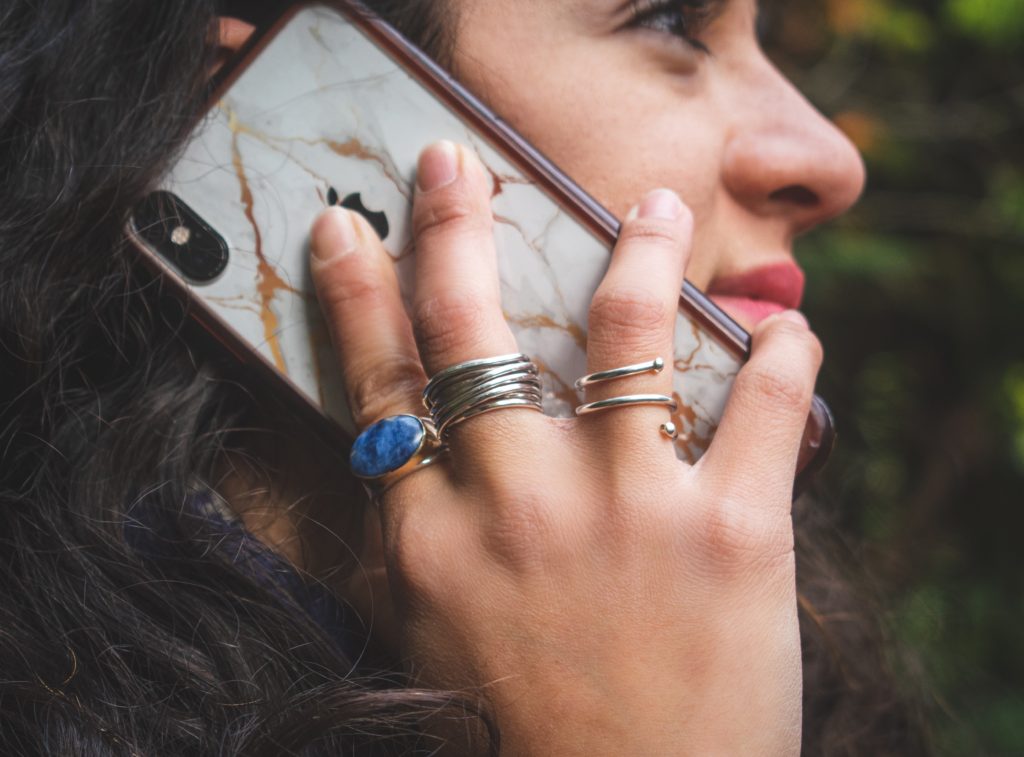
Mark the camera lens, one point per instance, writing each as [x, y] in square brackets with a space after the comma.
[180, 235]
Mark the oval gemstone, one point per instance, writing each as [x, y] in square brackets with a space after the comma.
[386, 446]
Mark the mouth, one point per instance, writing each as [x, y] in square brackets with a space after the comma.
[751, 297]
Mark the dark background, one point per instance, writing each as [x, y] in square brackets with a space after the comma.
[918, 296]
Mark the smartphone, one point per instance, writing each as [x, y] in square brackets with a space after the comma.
[330, 105]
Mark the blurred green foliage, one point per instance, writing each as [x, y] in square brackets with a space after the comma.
[918, 295]
[995, 22]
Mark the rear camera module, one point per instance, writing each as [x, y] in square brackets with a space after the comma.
[180, 236]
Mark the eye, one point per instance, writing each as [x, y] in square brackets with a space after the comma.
[685, 19]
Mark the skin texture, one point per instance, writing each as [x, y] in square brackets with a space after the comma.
[603, 596]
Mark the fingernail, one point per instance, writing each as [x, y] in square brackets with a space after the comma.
[794, 316]
[334, 234]
[438, 166]
[661, 203]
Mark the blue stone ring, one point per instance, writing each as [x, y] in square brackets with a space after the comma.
[393, 447]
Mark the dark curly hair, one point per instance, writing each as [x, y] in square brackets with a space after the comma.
[133, 618]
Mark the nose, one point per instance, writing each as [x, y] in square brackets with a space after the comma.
[783, 158]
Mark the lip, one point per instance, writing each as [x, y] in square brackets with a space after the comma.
[752, 296]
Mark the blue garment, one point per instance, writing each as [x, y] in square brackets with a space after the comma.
[150, 538]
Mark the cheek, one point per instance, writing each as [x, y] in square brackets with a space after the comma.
[617, 128]
[619, 147]
[619, 157]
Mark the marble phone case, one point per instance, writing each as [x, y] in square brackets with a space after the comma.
[332, 106]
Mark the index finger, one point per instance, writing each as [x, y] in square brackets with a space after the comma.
[358, 292]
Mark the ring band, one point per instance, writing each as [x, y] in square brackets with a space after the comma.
[472, 366]
[626, 400]
[474, 387]
[651, 366]
[668, 429]
[393, 447]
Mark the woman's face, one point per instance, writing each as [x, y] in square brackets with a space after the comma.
[629, 96]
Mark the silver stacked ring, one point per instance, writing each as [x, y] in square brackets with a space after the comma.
[480, 386]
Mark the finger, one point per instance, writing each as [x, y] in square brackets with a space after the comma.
[457, 302]
[457, 313]
[757, 444]
[358, 292]
[633, 315]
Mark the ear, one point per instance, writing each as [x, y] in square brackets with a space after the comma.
[232, 33]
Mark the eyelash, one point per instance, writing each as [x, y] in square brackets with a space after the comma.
[684, 19]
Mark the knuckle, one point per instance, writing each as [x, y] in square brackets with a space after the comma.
[740, 538]
[444, 322]
[350, 282]
[451, 213]
[629, 314]
[377, 391]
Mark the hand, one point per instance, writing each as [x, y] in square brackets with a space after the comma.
[602, 595]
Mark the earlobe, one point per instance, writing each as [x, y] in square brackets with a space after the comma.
[233, 33]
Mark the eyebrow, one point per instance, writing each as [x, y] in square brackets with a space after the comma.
[713, 8]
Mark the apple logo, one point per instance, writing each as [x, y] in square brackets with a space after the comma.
[376, 218]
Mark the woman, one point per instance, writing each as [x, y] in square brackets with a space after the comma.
[139, 619]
